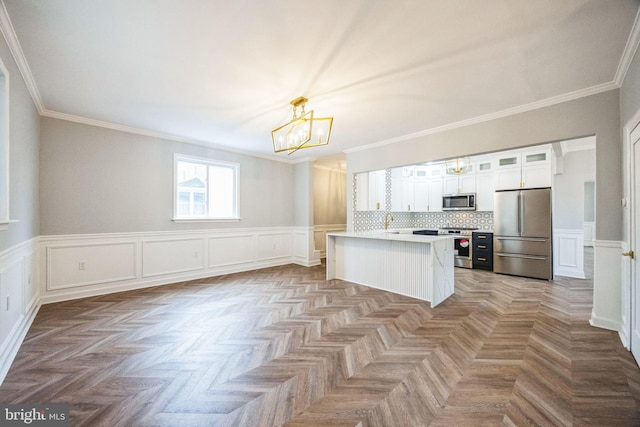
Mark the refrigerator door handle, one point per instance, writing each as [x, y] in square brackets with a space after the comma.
[539, 258]
[521, 212]
[523, 239]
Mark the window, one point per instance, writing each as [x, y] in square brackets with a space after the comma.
[205, 189]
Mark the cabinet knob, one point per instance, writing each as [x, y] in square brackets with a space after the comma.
[630, 254]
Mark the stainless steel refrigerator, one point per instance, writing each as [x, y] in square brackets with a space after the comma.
[522, 233]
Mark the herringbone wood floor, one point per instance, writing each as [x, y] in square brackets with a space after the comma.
[283, 346]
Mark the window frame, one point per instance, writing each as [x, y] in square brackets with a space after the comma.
[4, 149]
[177, 157]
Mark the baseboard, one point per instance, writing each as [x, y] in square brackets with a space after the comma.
[599, 322]
[11, 347]
[607, 297]
[20, 298]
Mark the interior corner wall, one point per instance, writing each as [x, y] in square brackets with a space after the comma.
[24, 151]
[97, 180]
[568, 189]
[303, 194]
[597, 114]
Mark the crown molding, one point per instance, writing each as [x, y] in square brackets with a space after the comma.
[6, 27]
[8, 31]
[154, 134]
[493, 116]
[629, 51]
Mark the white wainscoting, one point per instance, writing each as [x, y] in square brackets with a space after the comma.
[589, 233]
[304, 248]
[78, 266]
[606, 312]
[320, 236]
[72, 265]
[172, 256]
[625, 297]
[568, 253]
[19, 298]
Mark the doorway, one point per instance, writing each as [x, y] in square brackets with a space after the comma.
[630, 266]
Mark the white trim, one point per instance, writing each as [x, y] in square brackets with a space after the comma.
[6, 27]
[266, 247]
[628, 309]
[593, 90]
[629, 51]
[160, 135]
[18, 255]
[192, 220]
[5, 146]
[606, 285]
[51, 286]
[568, 253]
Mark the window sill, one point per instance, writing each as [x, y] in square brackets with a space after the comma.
[4, 224]
[192, 220]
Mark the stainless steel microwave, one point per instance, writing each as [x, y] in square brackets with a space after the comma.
[459, 202]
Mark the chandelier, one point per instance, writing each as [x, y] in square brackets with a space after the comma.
[458, 166]
[303, 131]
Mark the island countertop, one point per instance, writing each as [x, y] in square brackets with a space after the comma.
[392, 235]
[418, 266]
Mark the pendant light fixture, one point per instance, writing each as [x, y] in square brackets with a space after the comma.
[303, 131]
[459, 166]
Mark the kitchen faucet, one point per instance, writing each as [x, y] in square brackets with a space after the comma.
[386, 219]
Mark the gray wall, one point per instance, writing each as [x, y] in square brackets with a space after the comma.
[96, 180]
[630, 91]
[568, 189]
[593, 115]
[23, 159]
[303, 191]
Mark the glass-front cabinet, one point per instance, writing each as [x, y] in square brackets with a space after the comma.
[528, 168]
[420, 187]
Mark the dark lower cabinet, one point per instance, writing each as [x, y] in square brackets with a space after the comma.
[482, 250]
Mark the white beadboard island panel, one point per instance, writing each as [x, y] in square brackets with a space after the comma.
[416, 266]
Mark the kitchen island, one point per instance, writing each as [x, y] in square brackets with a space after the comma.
[413, 265]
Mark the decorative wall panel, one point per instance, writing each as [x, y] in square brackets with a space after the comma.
[71, 265]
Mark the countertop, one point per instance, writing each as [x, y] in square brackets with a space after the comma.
[403, 235]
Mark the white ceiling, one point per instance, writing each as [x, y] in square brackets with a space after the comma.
[223, 72]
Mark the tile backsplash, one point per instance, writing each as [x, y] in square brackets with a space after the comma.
[374, 220]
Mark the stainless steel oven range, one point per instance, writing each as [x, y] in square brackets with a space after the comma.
[463, 248]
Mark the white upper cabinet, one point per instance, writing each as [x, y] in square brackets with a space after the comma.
[485, 182]
[370, 191]
[402, 189]
[417, 188]
[528, 168]
[435, 195]
[462, 183]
